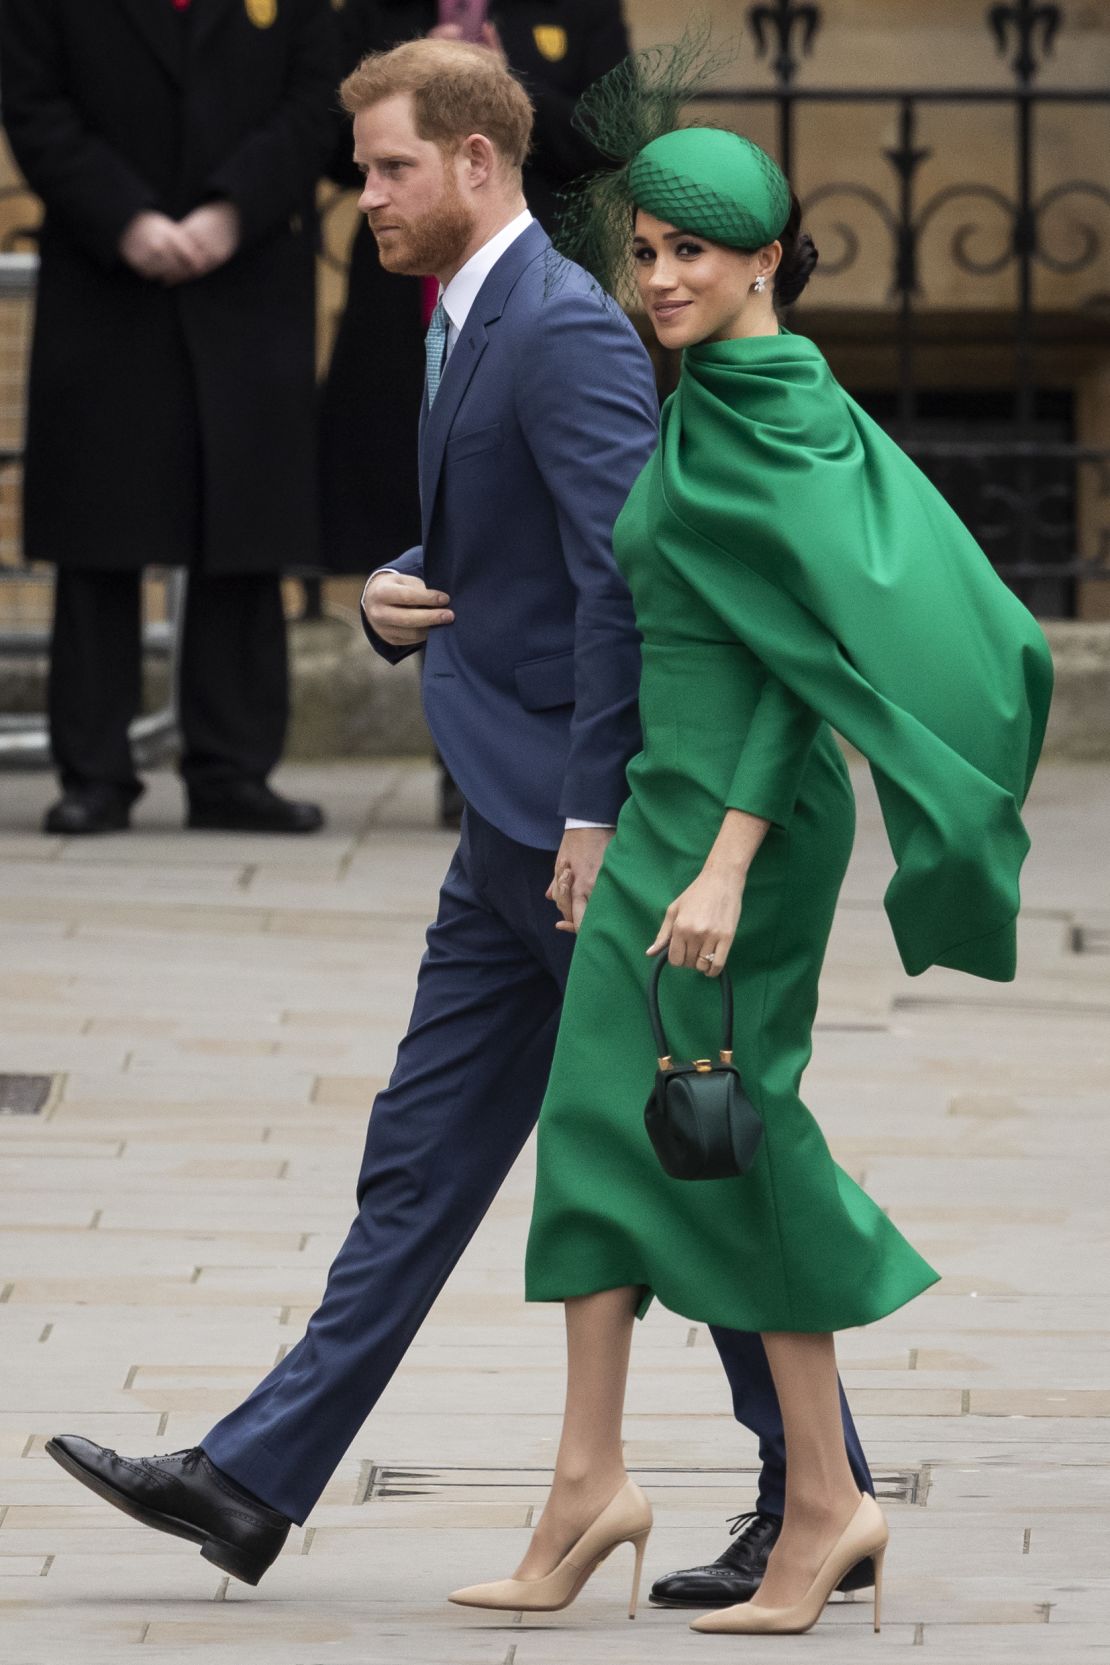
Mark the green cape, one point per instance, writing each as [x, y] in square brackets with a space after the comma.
[827, 552]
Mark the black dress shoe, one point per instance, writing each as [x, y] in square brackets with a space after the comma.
[736, 1575]
[251, 806]
[183, 1494]
[90, 809]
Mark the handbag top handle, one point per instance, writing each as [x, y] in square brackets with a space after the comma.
[661, 1046]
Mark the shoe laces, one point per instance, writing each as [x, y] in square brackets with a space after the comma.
[190, 1456]
[750, 1533]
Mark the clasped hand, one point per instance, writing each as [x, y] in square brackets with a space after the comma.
[170, 251]
[577, 866]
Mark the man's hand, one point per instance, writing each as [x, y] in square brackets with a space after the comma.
[401, 611]
[212, 232]
[156, 247]
[576, 869]
[172, 251]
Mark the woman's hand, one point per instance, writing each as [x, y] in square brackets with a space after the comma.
[700, 925]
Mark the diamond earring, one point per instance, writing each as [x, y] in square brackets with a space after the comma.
[760, 284]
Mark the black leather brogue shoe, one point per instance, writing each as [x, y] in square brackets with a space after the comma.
[184, 1494]
[736, 1575]
[84, 810]
[250, 806]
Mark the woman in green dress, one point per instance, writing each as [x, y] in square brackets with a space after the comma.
[792, 573]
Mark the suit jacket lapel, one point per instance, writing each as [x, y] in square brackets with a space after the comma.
[162, 29]
[436, 423]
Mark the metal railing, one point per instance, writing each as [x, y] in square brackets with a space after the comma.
[1036, 497]
[26, 592]
[1019, 487]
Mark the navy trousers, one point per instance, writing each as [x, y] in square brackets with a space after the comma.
[464, 1095]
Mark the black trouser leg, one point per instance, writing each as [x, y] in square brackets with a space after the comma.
[95, 682]
[234, 679]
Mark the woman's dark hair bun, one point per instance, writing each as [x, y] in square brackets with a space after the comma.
[794, 273]
[799, 257]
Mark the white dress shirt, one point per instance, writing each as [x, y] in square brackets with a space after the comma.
[458, 298]
[462, 291]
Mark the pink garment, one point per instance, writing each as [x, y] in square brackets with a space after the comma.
[429, 295]
[471, 14]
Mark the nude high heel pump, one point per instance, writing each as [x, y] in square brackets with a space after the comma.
[625, 1520]
[864, 1537]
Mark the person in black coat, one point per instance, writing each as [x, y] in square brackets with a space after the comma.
[371, 397]
[176, 146]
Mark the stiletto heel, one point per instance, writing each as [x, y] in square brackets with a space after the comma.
[880, 1557]
[864, 1538]
[639, 1544]
[625, 1520]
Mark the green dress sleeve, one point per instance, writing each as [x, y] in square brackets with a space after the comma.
[819, 545]
[774, 755]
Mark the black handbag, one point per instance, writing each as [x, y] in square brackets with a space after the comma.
[699, 1118]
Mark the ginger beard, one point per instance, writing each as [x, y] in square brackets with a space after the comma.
[435, 242]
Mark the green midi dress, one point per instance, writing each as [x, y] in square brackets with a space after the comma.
[741, 668]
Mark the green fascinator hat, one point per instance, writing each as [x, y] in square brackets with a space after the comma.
[714, 182]
[707, 180]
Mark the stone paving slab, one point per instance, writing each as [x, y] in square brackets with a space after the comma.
[216, 1013]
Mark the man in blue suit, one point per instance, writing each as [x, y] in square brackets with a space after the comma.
[539, 412]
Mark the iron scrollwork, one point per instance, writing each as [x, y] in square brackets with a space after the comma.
[782, 20]
[1091, 243]
[962, 236]
[1014, 494]
[833, 265]
[1032, 23]
[1090, 240]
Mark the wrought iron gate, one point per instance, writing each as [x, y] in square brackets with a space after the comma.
[1016, 473]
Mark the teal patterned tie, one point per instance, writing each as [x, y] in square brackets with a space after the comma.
[435, 346]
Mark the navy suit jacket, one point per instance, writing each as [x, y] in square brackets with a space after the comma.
[546, 414]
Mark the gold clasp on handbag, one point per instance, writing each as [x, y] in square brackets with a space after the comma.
[700, 1066]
